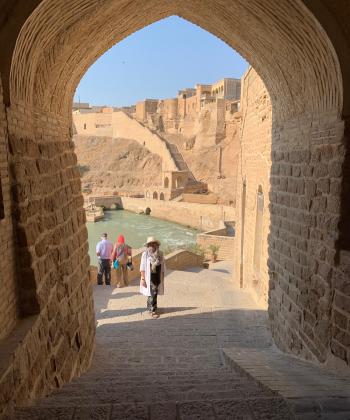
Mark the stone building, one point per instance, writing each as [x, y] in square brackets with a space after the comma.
[293, 191]
[144, 108]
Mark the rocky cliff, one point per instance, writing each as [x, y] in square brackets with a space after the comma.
[108, 164]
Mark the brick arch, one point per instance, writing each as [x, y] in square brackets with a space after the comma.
[297, 62]
[48, 64]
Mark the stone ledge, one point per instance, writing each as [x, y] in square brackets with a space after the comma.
[283, 373]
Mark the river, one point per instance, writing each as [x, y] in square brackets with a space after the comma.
[136, 228]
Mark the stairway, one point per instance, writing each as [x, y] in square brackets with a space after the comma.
[172, 367]
[178, 158]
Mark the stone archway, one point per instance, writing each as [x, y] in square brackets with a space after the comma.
[49, 46]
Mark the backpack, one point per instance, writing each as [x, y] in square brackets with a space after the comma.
[121, 253]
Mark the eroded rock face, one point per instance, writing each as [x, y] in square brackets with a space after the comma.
[108, 164]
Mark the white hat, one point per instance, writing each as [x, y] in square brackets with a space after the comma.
[151, 239]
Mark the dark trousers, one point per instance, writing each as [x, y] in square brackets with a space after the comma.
[104, 267]
[155, 282]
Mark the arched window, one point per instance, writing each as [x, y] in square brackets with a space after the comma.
[258, 232]
[179, 182]
[161, 196]
[166, 182]
[84, 126]
[155, 195]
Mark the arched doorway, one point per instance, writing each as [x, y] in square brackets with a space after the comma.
[155, 195]
[40, 69]
[161, 196]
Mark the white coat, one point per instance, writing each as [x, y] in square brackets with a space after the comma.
[146, 267]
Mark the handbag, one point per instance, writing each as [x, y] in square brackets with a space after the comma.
[116, 264]
[130, 266]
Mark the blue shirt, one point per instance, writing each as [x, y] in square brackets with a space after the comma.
[105, 248]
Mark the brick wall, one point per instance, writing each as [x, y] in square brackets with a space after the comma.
[300, 173]
[305, 204]
[8, 297]
[52, 257]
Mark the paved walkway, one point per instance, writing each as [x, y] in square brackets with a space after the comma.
[174, 367]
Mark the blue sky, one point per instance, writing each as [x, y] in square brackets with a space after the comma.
[156, 62]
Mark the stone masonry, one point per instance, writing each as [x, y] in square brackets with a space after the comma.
[301, 51]
[9, 298]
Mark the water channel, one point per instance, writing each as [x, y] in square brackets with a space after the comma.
[136, 228]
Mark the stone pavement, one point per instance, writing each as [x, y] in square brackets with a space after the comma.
[175, 367]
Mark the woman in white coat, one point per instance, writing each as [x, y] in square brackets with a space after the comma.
[152, 274]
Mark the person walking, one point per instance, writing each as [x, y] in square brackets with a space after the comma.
[104, 250]
[122, 253]
[152, 274]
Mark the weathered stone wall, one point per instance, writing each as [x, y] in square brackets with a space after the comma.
[305, 204]
[182, 259]
[199, 216]
[48, 46]
[340, 315]
[8, 285]
[123, 126]
[308, 288]
[220, 239]
[200, 198]
[254, 162]
[52, 257]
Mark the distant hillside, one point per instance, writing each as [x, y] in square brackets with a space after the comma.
[108, 164]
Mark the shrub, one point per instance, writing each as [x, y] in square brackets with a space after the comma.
[214, 249]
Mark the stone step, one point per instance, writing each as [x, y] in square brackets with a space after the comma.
[208, 409]
[144, 394]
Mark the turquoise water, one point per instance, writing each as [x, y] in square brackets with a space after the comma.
[136, 228]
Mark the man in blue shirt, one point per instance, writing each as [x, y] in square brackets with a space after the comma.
[104, 251]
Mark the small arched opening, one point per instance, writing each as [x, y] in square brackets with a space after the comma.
[155, 195]
[161, 196]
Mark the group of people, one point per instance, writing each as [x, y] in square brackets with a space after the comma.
[119, 255]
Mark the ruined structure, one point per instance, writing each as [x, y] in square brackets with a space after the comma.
[198, 114]
[204, 119]
[293, 191]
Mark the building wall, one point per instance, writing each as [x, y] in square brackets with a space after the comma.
[170, 108]
[43, 64]
[191, 106]
[299, 171]
[200, 198]
[122, 125]
[93, 124]
[8, 280]
[145, 107]
[199, 216]
[254, 163]
[54, 293]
